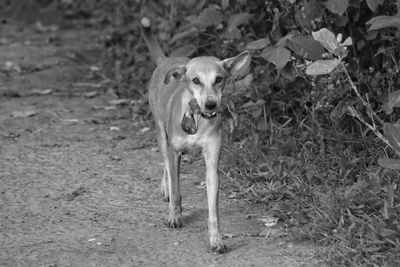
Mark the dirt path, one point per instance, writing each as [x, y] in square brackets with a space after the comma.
[79, 181]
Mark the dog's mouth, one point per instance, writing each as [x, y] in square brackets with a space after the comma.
[209, 115]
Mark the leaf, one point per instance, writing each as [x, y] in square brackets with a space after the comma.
[386, 232]
[188, 33]
[224, 4]
[239, 19]
[41, 92]
[122, 101]
[373, 4]
[321, 67]
[392, 164]
[282, 41]
[381, 22]
[288, 72]
[347, 42]
[249, 104]
[392, 132]
[239, 85]
[305, 46]
[310, 11]
[393, 101]
[184, 51]
[24, 113]
[231, 34]
[210, 17]
[260, 102]
[12, 66]
[327, 39]
[337, 6]
[91, 94]
[258, 44]
[279, 56]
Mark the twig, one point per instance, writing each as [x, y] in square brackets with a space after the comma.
[365, 103]
[356, 114]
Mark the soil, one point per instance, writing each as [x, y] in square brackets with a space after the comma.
[80, 176]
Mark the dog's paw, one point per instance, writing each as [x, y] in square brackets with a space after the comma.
[217, 246]
[175, 221]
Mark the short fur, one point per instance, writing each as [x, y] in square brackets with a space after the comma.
[175, 81]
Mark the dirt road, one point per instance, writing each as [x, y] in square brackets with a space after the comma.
[79, 177]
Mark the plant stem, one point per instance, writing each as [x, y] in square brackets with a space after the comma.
[365, 103]
[355, 113]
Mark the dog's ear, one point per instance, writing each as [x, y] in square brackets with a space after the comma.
[237, 65]
[177, 73]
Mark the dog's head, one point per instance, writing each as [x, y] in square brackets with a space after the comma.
[205, 78]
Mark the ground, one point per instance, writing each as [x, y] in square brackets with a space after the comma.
[80, 175]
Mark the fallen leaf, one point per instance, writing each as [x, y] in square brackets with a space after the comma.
[202, 185]
[232, 195]
[97, 107]
[229, 235]
[269, 221]
[116, 158]
[70, 121]
[91, 94]
[114, 128]
[11, 66]
[42, 28]
[144, 130]
[178, 242]
[41, 92]
[24, 113]
[270, 232]
[5, 41]
[94, 68]
[117, 102]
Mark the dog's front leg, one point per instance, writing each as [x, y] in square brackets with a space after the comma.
[211, 153]
[175, 198]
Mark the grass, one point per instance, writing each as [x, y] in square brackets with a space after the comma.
[337, 197]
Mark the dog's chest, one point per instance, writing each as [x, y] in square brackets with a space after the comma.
[185, 141]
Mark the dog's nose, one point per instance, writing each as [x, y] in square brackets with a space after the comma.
[210, 104]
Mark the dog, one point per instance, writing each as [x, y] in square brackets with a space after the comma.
[185, 100]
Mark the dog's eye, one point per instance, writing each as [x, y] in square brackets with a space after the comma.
[196, 81]
[218, 79]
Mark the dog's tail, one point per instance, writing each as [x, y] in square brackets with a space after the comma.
[154, 47]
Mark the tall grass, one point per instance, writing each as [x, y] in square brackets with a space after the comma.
[337, 197]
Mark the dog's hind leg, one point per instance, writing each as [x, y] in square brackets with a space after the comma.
[175, 198]
[170, 182]
[211, 153]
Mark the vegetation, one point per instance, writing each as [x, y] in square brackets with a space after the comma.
[317, 138]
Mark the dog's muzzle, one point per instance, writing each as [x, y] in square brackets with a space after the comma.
[195, 109]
